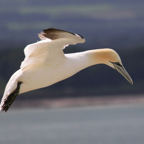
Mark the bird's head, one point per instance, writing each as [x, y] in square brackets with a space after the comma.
[111, 58]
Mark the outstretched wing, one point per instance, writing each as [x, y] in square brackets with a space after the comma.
[51, 41]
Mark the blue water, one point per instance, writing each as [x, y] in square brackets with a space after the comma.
[84, 125]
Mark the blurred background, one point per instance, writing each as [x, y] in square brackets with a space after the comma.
[116, 24]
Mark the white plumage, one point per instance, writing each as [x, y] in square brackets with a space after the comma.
[45, 63]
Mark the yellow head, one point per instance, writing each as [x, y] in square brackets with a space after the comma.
[111, 58]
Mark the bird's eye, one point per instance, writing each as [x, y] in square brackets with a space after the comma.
[116, 63]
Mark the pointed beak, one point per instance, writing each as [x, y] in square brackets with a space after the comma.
[123, 72]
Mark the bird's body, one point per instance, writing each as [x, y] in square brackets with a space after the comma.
[45, 63]
[51, 72]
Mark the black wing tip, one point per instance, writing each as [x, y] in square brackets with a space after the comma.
[10, 99]
[54, 30]
[80, 36]
[6, 105]
[50, 29]
[49, 33]
[4, 108]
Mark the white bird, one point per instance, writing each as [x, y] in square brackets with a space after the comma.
[45, 63]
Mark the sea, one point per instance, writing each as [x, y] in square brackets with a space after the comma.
[117, 124]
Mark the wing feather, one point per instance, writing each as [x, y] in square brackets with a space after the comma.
[35, 55]
[51, 41]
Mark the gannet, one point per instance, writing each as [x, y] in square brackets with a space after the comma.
[45, 63]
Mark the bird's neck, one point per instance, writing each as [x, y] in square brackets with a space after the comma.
[82, 60]
[95, 57]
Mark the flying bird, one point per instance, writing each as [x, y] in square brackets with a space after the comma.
[45, 63]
